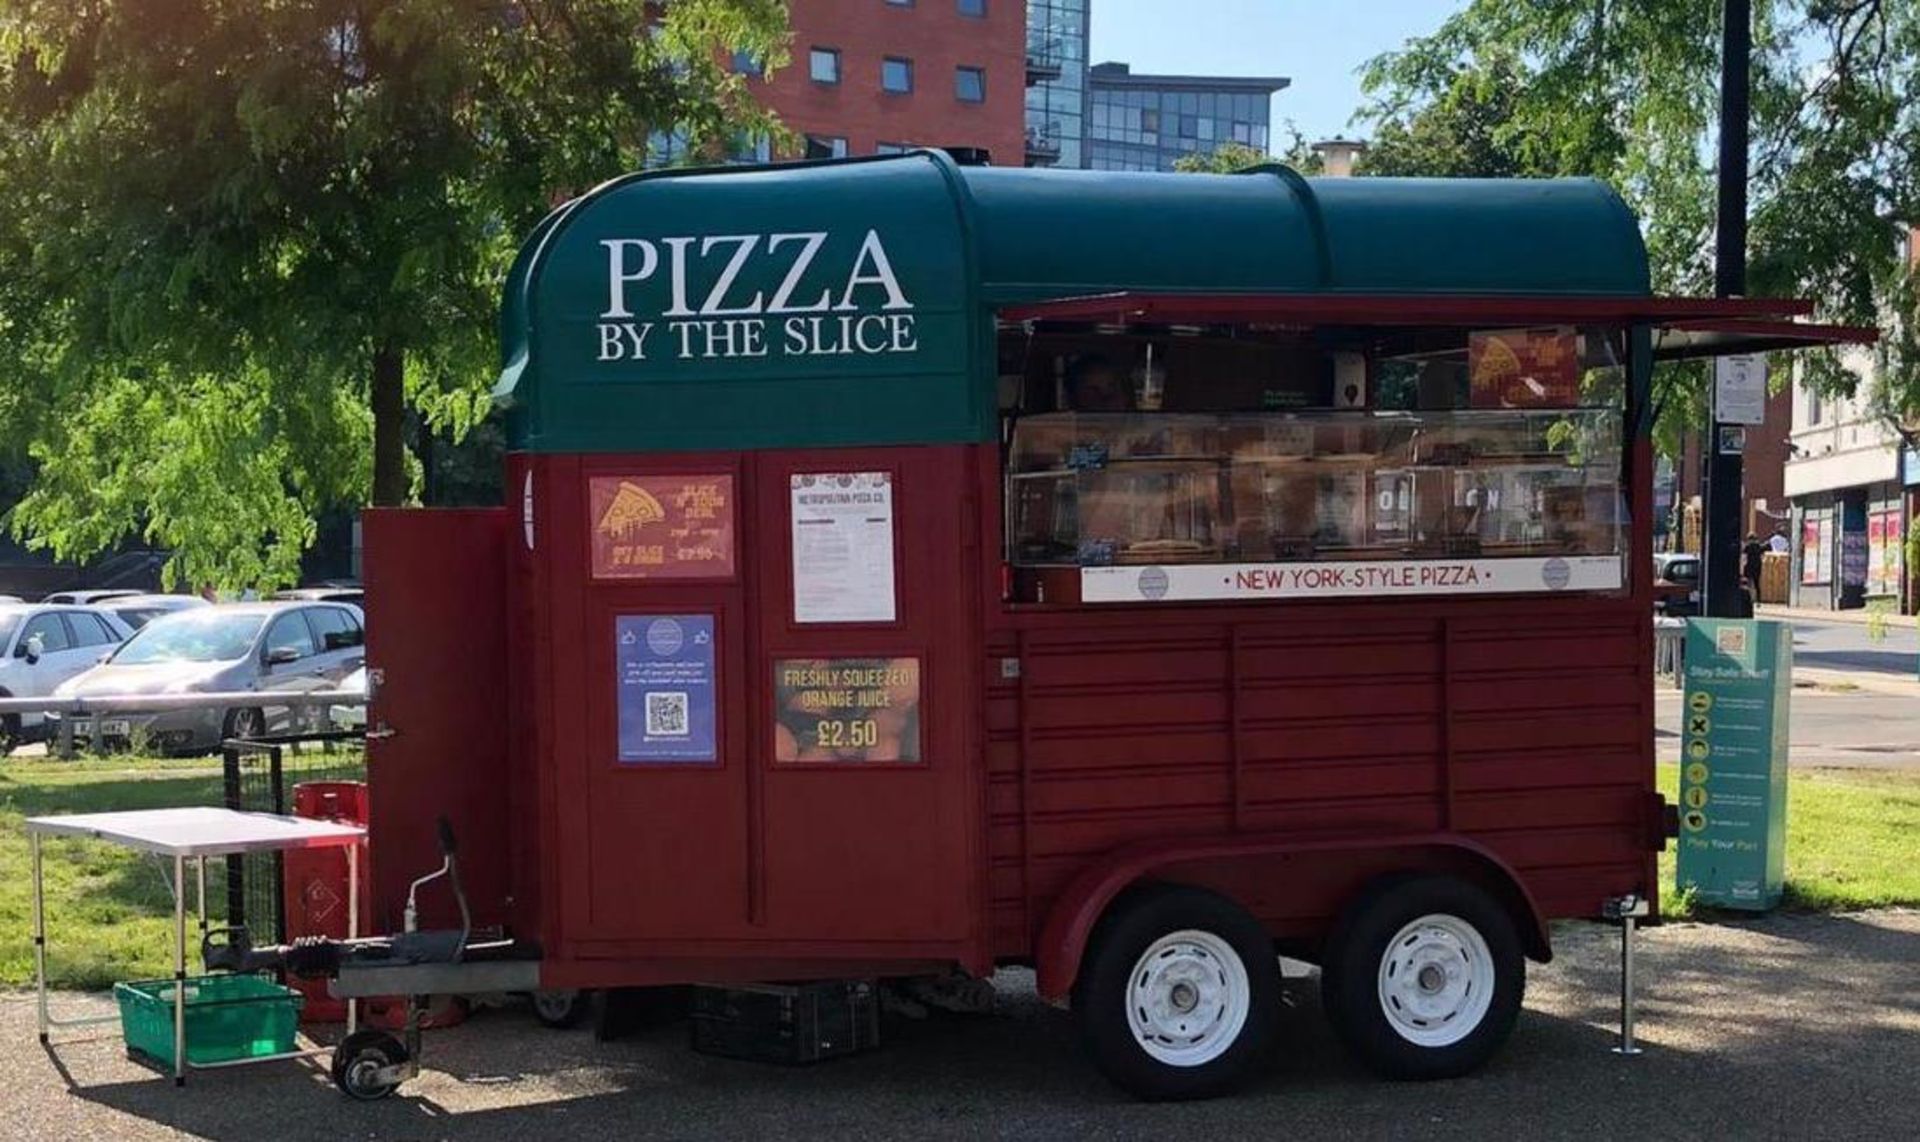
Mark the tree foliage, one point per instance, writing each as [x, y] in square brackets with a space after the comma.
[238, 241]
[1628, 91]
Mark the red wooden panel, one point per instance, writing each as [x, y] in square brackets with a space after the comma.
[436, 635]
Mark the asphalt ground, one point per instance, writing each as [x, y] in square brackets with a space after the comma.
[1858, 729]
[1797, 1026]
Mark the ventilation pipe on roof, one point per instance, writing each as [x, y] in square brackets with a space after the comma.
[1337, 156]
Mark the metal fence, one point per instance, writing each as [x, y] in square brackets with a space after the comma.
[70, 711]
[259, 776]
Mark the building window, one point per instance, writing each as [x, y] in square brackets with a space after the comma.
[826, 147]
[970, 84]
[900, 3]
[973, 7]
[1813, 408]
[823, 65]
[896, 75]
[745, 64]
[892, 148]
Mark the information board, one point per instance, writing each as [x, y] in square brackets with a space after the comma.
[665, 688]
[843, 547]
[1733, 762]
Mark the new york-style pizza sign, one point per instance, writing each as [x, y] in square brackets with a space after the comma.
[714, 296]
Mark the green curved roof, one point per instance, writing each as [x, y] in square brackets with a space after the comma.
[850, 302]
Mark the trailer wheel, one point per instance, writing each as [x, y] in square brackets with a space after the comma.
[1179, 994]
[358, 1061]
[1423, 977]
[561, 1008]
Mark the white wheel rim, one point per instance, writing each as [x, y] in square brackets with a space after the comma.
[1436, 981]
[1187, 998]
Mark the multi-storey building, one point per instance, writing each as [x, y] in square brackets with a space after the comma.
[1851, 484]
[1056, 82]
[876, 76]
[1147, 122]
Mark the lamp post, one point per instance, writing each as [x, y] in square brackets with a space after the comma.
[1720, 546]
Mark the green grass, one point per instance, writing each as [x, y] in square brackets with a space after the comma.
[1850, 844]
[109, 910]
[1850, 839]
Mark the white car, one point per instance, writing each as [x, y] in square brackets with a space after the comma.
[350, 717]
[41, 646]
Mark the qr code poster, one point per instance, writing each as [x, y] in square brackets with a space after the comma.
[665, 691]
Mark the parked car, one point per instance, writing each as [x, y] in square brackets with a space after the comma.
[1676, 584]
[139, 610]
[324, 593]
[221, 649]
[344, 717]
[43, 646]
[90, 597]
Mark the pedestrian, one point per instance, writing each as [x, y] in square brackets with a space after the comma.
[1750, 563]
[1779, 544]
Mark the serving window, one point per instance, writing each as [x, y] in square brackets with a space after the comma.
[1226, 467]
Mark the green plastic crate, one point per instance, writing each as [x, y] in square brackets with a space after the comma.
[229, 1017]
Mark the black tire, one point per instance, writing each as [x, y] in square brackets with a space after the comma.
[359, 1056]
[246, 722]
[561, 1008]
[1114, 973]
[9, 734]
[1408, 1030]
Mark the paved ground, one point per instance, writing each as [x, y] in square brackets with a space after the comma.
[1845, 645]
[1828, 728]
[1793, 1027]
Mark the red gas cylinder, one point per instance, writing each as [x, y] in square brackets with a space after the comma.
[316, 903]
[316, 885]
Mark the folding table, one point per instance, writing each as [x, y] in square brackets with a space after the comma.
[188, 835]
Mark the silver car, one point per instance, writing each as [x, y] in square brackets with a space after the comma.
[43, 646]
[220, 649]
[139, 610]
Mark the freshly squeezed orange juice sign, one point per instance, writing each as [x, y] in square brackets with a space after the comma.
[1525, 368]
[661, 527]
[846, 709]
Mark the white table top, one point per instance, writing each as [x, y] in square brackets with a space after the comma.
[199, 832]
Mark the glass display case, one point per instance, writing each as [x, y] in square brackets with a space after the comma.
[1100, 489]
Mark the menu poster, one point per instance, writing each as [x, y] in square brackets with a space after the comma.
[661, 527]
[846, 709]
[1524, 368]
[843, 547]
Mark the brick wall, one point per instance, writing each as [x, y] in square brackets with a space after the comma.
[937, 38]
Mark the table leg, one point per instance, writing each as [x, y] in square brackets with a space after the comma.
[39, 940]
[200, 875]
[179, 971]
[353, 922]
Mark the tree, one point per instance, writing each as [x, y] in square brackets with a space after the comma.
[1628, 92]
[238, 241]
[1231, 157]
[1466, 129]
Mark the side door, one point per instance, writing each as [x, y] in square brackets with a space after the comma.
[50, 653]
[288, 657]
[339, 637]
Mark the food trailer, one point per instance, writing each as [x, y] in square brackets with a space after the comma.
[912, 568]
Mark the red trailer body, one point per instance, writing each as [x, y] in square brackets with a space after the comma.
[1038, 757]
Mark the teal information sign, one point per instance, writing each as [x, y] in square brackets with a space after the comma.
[1733, 762]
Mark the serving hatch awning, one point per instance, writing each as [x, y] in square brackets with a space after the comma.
[1684, 326]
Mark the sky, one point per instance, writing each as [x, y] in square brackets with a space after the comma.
[1318, 44]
